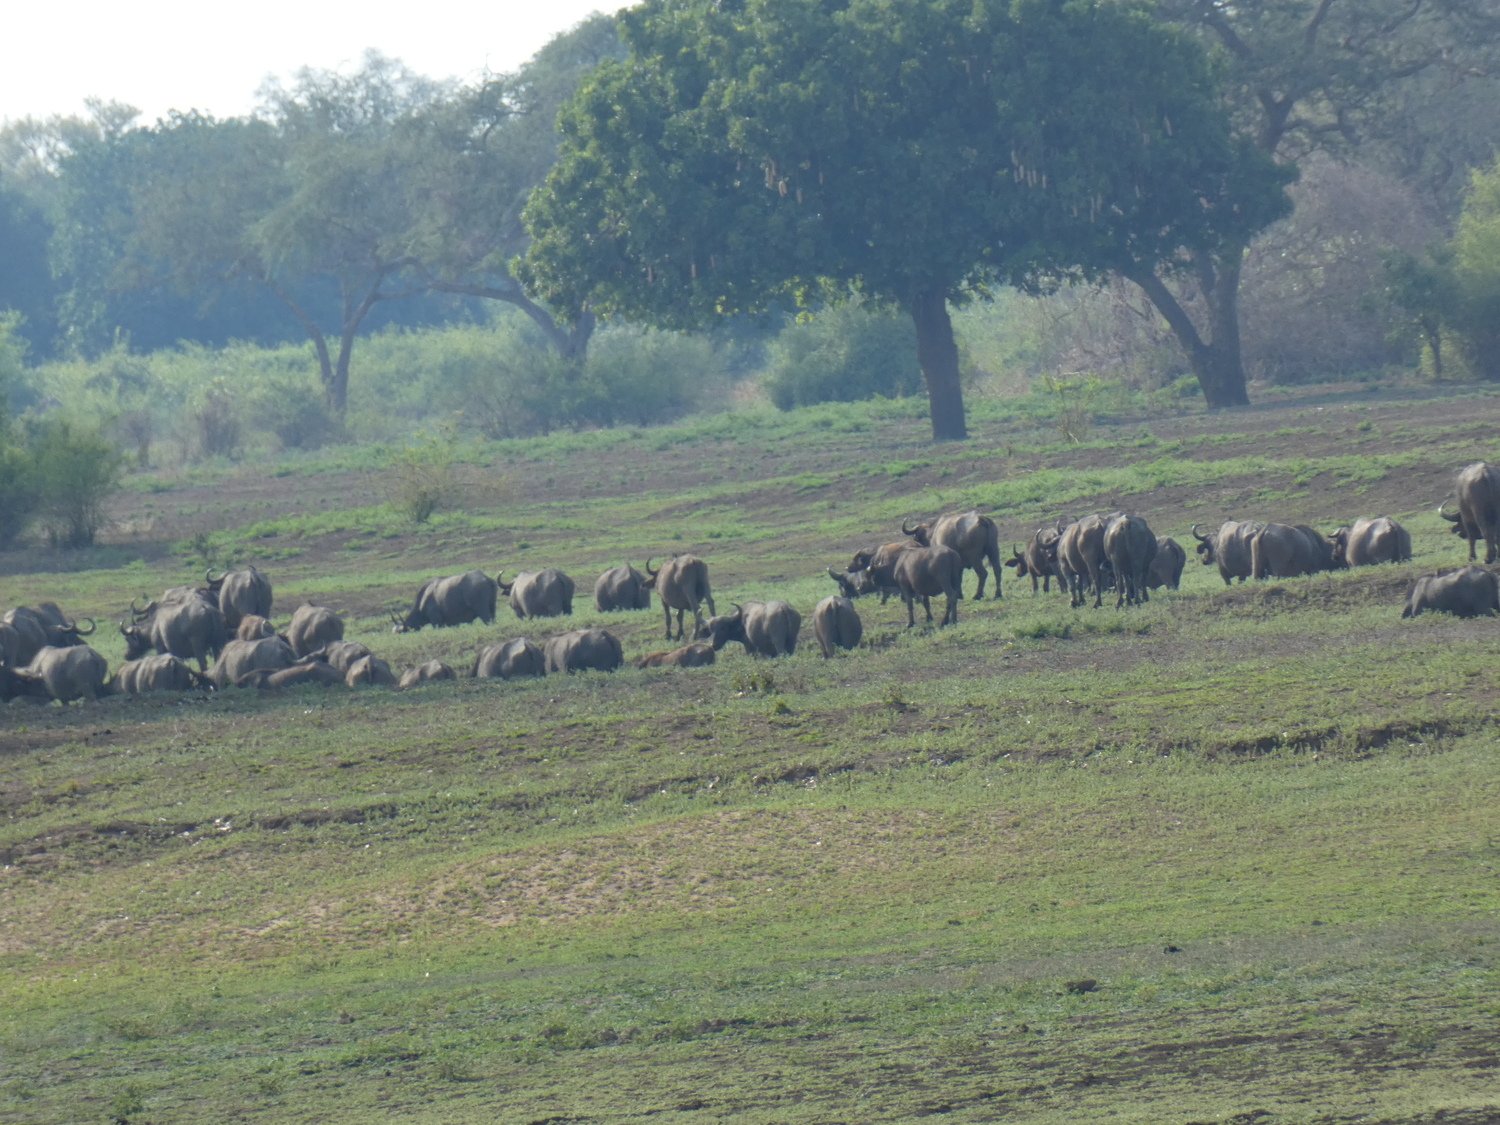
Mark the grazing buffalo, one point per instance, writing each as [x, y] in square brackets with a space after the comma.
[1470, 592]
[318, 672]
[1230, 548]
[974, 538]
[764, 628]
[696, 655]
[624, 587]
[682, 584]
[239, 594]
[539, 593]
[455, 600]
[425, 674]
[1081, 558]
[1281, 550]
[190, 628]
[240, 657]
[836, 624]
[1478, 516]
[1371, 541]
[313, 627]
[1166, 568]
[253, 627]
[163, 672]
[873, 571]
[370, 670]
[1130, 546]
[74, 672]
[926, 573]
[35, 628]
[509, 660]
[1038, 560]
[583, 649]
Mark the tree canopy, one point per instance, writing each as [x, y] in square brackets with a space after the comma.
[917, 152]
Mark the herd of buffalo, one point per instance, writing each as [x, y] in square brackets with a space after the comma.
[43, 653]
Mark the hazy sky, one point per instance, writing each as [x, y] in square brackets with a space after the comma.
[175, 54]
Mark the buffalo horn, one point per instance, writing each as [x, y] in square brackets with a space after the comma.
[739, 610]
[136, 613]
[649, 571]
[89, 632]
[909, 530]
[833, 574]
[1200, 538]
[124, 630]
[1445, 515]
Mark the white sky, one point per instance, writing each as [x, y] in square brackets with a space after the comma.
[186, 54]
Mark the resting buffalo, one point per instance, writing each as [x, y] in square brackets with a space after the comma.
[163, 672]
[583, 649]
[1081, 558]
[455, 600]
[695, 655]
[66, 674]
[253, 627]
[764, 628]
[343, 654]
[1281, 550]
[190, 628]
[1369, 542]
[1478, 515]
[507, 661]
[926, 573]
[539, 593]
[1166, 568]
[624, 587]
[240, 657]
[426, 674]
[318, 672]
[1230, 548]
[836, 624]
[239, 594]
[369, 670]
[974, 538]
[1470, 592]
[682, 584]
[35, 628]
[1130, 546]
[312, 628]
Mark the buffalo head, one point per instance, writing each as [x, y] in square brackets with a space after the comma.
[1205, 547]
[921, 533]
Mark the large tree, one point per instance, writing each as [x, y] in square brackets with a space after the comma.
[1301, 76]
[916, 151]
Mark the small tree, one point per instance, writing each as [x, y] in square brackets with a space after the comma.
[76, 471]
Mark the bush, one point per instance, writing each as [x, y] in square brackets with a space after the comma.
[18, 494]
[295, 411]
[1476, 252]
[213, 422]
[75, 471]
[422, 480]
[844, 354]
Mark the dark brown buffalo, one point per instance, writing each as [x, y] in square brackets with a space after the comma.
[425, 674]
[1038, 560]
[313, 627]
[239, 594]
[583, 649]
[695, 655]
[682, 584]
[318, 672]
[624, 587]
[1166, 568]
[926, 573]
[1371, 541]
[507, 661]
[836, 624]
[1229, 547]
[1470, 592]
[873, 571]
[189, 628]
[1282, 550]
[1478, 517]
[455, 600]
[1130, 546]
[974, 538]
[764, 628]
[162, 672]
[1081, 558]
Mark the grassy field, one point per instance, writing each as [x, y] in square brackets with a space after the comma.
[1228, 857]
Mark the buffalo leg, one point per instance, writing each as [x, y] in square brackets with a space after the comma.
[911, 612]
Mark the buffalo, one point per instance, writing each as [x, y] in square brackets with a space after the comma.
[426, 674]
[1371, 541]
[1229, 548]
[836, 624]
[318, 672]
[624, 587]
[253, 627]
[343, 654]
[1470, 592]
[696, 655]
[1478, 515]
[163, 672]
[370, 670]
[35, 628]
[926, 573]
[507, 661]
[764, 628]
[873, 571]
[1130, 546]
[539, 593]
[682, 584]
[1166, 568]
[455, 600]
[974, 538]
[1038, 560]
[583, 649]
[1081, 558]
[240, 657]
[1281, 550]
[312, 628]
[190, 628]
[73, 672]
[239, 594]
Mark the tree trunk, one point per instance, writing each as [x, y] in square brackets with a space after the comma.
[937, 353]
[570, 343]
[314, 333]
[1217, 361]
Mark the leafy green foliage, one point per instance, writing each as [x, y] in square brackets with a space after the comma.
[842, 354]
[76, 471]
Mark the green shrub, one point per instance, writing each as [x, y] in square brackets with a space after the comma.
[295, 411]
[422, 480]
[844, 354]
[18, 494]
[75, 470]
[1476, 250]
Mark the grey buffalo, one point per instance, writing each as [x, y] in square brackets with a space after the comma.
[873, 571]
[1166, 568]
[624, 587]
[695, 655]
[1470, 592]
[455, 600]
[342, 655]
[1082, 560]
[974, 538]
[253, 627]
[682, 584]
[926, 573]
[764, 628]
[1229, 547]
[318, 672]
[239, 594]
[66, 674]
[539, 593]
[1371, 541]
[507, 661]
[836, 624]
[240, 657]
[35, 628]
[162, 672]
[312, 628]
[189, 628]
[1130, 546]
[583, 649]
[427, 673]
[370, 670]
[1282, 550]
[1478, 516]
